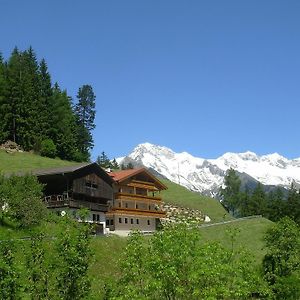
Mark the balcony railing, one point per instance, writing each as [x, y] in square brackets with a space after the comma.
[54, 201]
[128, 196]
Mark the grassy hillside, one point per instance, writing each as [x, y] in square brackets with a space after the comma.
[107, 250]
[16, 162]
[178, 195]
[249, 235]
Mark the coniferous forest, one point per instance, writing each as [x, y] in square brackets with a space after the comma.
[40, 116]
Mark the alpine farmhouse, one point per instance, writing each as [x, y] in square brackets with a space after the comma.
[117, 201]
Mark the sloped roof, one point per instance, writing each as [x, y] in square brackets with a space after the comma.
[74, 169]
[122, 175]
[60, 170]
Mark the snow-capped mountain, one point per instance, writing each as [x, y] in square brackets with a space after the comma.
[207, 175]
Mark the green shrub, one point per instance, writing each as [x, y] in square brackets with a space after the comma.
[21, 195]
[48, 148]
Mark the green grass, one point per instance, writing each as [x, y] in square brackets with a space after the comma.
[179, 195]
[249, 235]
[26, 162]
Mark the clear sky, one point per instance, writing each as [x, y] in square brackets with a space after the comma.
[206, 77]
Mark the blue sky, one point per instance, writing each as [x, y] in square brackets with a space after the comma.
[206, 77]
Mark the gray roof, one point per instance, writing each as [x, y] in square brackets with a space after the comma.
[60, 170]
[72, 169]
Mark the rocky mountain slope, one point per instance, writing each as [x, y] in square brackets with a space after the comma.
[207, 175]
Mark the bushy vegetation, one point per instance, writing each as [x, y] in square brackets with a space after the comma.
[20, 200]
[282, 261]
[176, 264]
[47, 267]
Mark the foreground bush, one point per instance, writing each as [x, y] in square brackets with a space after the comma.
[176, 264]
[47, 267]
[20, 200]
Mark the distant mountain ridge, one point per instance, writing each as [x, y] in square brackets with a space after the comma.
[207, 175]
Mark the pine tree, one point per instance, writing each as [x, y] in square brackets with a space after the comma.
[85, 116]
[14, 94]
[276, 205]
[293, 204]
[29, 110]
[45, 90]
[258, 204]
[114, 164]
[103, 160]
[62, 125]
[4, 104]
[23, 94]
[231, 193]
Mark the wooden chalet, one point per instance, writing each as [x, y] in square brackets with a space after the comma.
[137, 203]
[74, 187]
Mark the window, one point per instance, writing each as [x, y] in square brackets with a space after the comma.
[149, 207]
[126, 205]
[131, 221]
[148, 221]
[92, 185]
[94, 217]
[98, 218]
[120, 220]
[136, 206]
[119, 204]
[112, 222]
[137, 221]
[88, 184]
[126, 220]
[107, 222]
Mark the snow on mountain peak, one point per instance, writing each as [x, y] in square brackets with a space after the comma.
[207, 175]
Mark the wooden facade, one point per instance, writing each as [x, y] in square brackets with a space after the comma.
[82, 186]
[137, 203]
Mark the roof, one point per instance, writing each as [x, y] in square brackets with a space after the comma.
[60, 170]
[122, 175]
[69, 170]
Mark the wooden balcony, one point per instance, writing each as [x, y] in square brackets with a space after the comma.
[127, 196]
[59, 201]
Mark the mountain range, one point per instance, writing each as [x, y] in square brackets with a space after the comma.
[207, 175]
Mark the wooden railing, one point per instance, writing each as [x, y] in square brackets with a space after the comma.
[65, 201]
[128, 196]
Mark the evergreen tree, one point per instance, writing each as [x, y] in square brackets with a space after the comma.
[231, 193]
[103, 160]
[22, 118]
[114, 164]
[29, 109]
[276, 205]
[244, 206]
[293, 204]
[14, 95]
[4, 105]
[45, 90]
[85, 116]
[257, 204]
[62, 125]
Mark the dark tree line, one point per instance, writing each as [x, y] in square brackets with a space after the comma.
[273, 205]
[38, 115]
